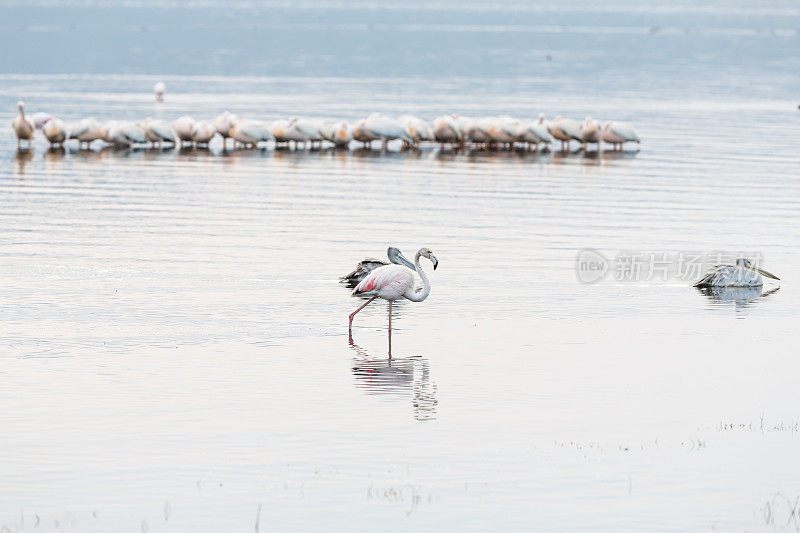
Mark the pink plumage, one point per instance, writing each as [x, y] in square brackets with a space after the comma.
[389, 282]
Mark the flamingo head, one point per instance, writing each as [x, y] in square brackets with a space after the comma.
[427, 252]
[20, 105]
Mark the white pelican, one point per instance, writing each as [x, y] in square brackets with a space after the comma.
[447, 129]
[340, 134]
[223, 124]
[158, 90]
[184, 129]
[362, 134]
[309, 128]
[564, 130]
[744, 274]
[123, 133]
[158, 131]
[386, 129]
[250, 132]
[504, 130]
[368, 265]
[203, 132]
[86, 131]
[55, 131]
[590, 131]
[617, 133]
[535, 132]
[477, 130]
[286, 131]
[392, 282]
[22, 125]
[416, 128]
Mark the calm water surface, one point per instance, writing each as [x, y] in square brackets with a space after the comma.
[174, 341]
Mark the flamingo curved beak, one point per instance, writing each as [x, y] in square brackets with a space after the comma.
[434, 261]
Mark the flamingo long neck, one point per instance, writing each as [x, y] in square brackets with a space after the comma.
[426, 289]
[21, 111]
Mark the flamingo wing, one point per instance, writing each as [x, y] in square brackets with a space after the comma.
[393, 280]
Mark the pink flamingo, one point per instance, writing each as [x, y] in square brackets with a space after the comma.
[392, 282]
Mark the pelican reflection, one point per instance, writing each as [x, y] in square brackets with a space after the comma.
[740, 296]
[399, 377]
[21, 159]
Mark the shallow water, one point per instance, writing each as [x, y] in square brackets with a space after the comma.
[175, 353]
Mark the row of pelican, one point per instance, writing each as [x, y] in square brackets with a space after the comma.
[454, 130]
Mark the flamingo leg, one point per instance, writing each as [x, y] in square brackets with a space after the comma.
[390, 329]
[353, 314]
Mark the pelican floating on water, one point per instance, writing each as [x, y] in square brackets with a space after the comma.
[744, 274]
[23, 126]
[368, 265]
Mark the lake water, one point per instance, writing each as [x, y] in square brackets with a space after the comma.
[174, 336]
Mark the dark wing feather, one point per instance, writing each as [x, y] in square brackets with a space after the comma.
[362, 269]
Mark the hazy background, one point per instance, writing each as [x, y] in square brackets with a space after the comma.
[173, 347]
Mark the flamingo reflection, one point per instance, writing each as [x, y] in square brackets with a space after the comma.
[397, 377]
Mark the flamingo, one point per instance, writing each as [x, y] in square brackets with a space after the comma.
[184, 128]
[368, 265]
[617, 133]
[223, 124]
[23, 126]
[590, 131]
[392, 282]
[158, 90]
